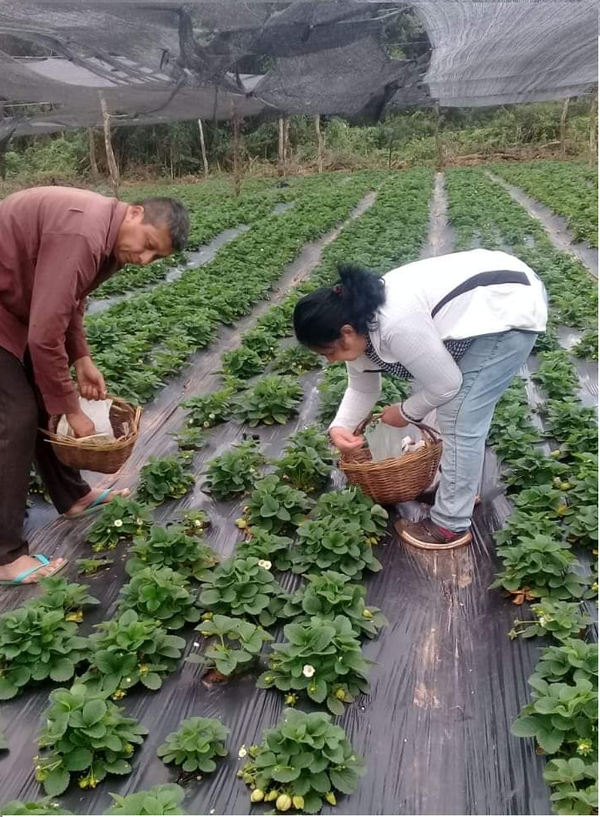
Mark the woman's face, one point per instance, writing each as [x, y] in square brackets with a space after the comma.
[349, 346]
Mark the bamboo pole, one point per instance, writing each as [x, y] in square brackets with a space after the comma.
[438, 140]
[280, 150]
[237, 173]
[319, 143]
[93, 161]
[593, 142]
[563, 126]
[286, 143]
[110, 156]
[203, 147]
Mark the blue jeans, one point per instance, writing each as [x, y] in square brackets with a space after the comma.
[488, 366]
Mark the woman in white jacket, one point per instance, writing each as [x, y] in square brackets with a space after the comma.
[461, 326]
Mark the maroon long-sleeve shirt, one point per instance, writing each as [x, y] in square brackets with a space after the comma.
[56, 246]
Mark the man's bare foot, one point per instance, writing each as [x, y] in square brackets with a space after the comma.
[87, 500]
[13, 569]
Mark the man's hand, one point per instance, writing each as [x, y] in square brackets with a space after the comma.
[89, 380]
[345, 440]
[81, 424]
[391, 416]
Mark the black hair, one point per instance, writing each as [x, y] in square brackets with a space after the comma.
[354, 300]
[173, 213]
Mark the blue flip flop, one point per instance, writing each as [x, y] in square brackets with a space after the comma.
[97, 505]
[43, 562]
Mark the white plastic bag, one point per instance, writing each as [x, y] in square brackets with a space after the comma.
[387, 441]
[99, 413]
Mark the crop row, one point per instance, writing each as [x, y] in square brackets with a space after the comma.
[570, 189]
[555, 500]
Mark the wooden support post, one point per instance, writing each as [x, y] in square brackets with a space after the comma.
[438, 139]
[319, 142]
[93, 163]
[110, 156]
[286, 143]
[237, 171]
[563, 126]
[281, 147]
[203, 147]
[593, 142]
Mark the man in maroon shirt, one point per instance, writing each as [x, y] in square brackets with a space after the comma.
[57, 244]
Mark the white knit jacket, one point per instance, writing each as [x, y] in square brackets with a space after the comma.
[406, 333]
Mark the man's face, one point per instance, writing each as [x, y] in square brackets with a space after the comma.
[140, 242]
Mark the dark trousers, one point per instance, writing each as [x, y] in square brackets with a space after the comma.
[21, 414]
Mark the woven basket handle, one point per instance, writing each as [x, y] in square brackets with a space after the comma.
[428, 431]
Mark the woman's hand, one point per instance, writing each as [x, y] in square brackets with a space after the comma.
[391, 416]
[345, 440]
[89, 379]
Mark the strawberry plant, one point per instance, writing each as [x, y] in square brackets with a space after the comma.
[121, 519]
[302, 763]
[330, 594]
[575, 785]
[84, 733]
[295, 360]
[261, 341]
[587, 346]
[573, 425]
[189, 438]
[547, 499]
[35, 644]
[163, 799]
[307, 461]
[236, 644]
[331, 543]
[353, 505]
[268, 547]
[541, 565]
[128, 650]
[235, 471]
[524, 524]
[195, 523]
[321, 657]
[195, 745]
[560, 619]
[275, 506]
[276, 321]
[243, 587]
[60, 594]
[534, 468]
[243, 363]
[206, 411]
[162, 479]
[159, 593]
[568, 661]
[45, 805]
[171, 547]
[547, 341]
[556, 374]
[560, 716]
[88, 567]
[272, 400]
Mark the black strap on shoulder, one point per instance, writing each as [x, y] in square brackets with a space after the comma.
[483, 279]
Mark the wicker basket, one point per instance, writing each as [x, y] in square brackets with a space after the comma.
[104, 457]
[397, 479]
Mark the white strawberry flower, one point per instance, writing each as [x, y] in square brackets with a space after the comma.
[243, 752]
[197, 523]
[264, 563]
[308, 670]
[139, 521]
[118, 523]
